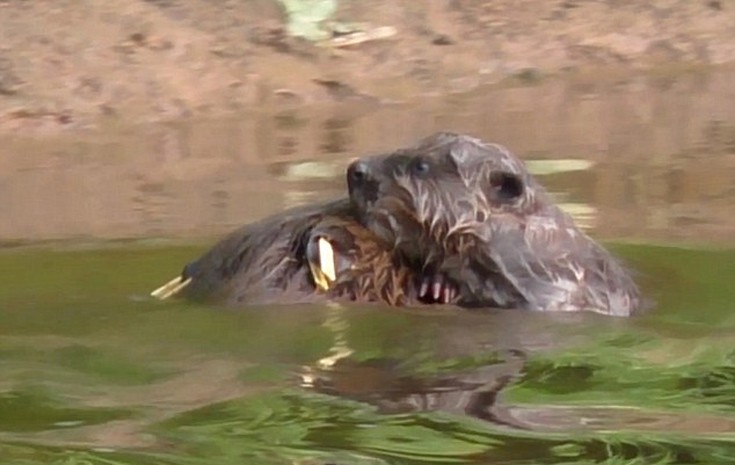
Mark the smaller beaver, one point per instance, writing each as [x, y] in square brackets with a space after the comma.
[470, 214]
[276, 261]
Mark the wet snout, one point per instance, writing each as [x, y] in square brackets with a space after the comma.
[362, 182]
[358, 172]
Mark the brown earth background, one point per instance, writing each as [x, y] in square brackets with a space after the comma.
[71, 63]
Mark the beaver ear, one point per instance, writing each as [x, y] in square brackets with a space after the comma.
[504, 187]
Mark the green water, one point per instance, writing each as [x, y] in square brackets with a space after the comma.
[94, 372]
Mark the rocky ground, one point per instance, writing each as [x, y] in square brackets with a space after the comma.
[67, 64]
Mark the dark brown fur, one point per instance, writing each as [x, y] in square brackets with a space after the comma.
[267, 262]
[456, 207]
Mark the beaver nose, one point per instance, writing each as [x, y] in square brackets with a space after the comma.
[357, 173]
[190, 270]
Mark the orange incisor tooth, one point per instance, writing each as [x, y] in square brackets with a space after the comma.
[324, 272]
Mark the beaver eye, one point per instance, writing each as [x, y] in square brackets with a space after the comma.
[419, 167]
[506, 186]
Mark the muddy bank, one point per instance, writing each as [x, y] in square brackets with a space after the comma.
[72, 64]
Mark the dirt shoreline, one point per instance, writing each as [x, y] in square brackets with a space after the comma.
[68, 65]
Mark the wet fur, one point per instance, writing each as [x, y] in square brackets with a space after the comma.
[471, 211]
[266, 262]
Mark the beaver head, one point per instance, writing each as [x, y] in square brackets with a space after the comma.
[435, 197]
[471, 210]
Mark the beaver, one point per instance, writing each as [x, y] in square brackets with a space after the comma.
[276, 261]
[470, 214]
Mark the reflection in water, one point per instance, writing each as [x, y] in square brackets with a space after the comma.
[660, 156]
[477, 393]
[113, 379]
[381, 383]
[471, 375]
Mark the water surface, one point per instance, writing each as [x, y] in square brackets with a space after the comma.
[95, 372]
